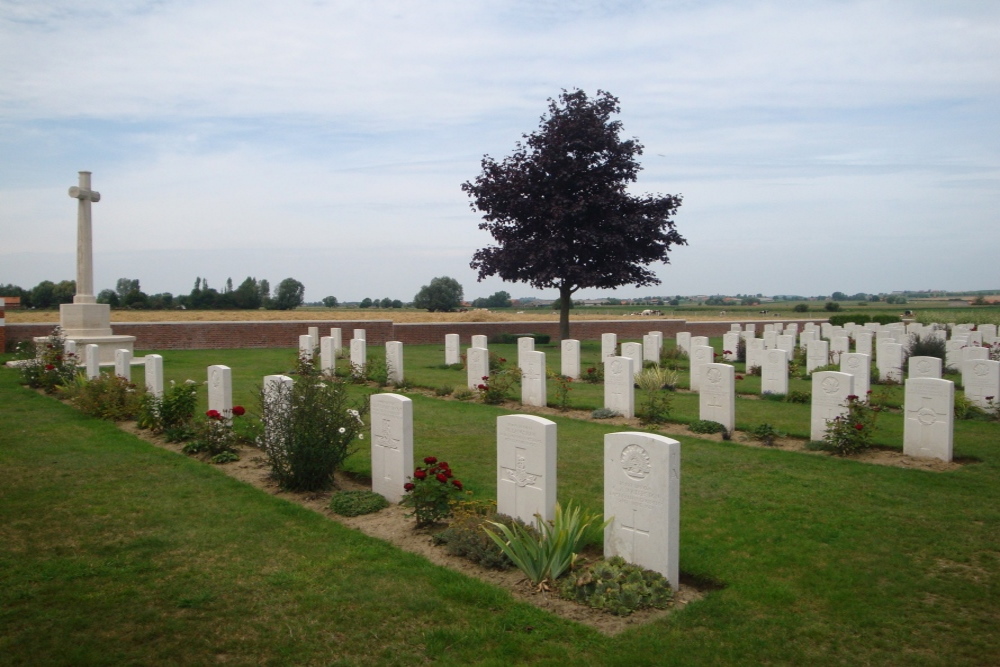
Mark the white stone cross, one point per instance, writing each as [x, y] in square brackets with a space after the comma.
[84, 239]
[634, 531]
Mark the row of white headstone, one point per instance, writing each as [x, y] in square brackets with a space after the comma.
[330, 349]
[641, 479]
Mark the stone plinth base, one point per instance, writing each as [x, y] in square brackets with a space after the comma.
[106, 344]
[85, 320]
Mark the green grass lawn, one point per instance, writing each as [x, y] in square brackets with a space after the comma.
[113, 551]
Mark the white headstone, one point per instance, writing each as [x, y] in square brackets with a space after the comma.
[830, 390]
[526, 467]
[684, 341]
[314, 334]
[452, 349]
[277, 392]
[479, 340]
[981, 381]
[609, 346]
[392, 444]
[774, 372]
[619, 386]
[928, 430]
[890, 362]
[306, 347]
[533, 391]
[924, 367]
[220, 390]
[327, 355]
[525, 344]
[93, 360]
[338, 340]
[477, 366]
[770, 339]
[69, 347]
[717, 395]
[860, 366]
[359, 334]
[817, 354]
[755, 353]
[838, 346]
[634, 352]
[731, 346]
[642, 475]
[154, 375]
[394, 361]
[570, 360]
[650, 348]
[701, 356]
[359, 354]
[123, 364]
[700, 340]
[863, 343]
[786, 343]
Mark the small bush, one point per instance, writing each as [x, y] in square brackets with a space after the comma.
[852, 433]
[443, 390]
[53, 369]
[511, 339]
[798, 397]
[431, 491]
[618, 587]
[494, 388]
[172, 413]
[925, 346]
[765, 433]
[356, 503]
[108, 397]
[966, 409]
[594, 374]
[772, 396]
[706, 426]
[885, 318]
[842, 319]
[604, 413]
[465, 536]
[655, 408]
[801, 308]
[463, 394]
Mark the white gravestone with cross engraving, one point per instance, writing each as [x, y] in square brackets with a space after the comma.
[786, 342]
[817, 354]
[609, 346]
[650, 348]
[477, 366]
[830, 390]
[889, 359]
[701, 355]
[123, 364]
[924, 367]
[634, 352]
[928, 429]
[981, 382]
[619, 386]
[860, 366]
[394, 361]
[642, 476]
[154, 375]
[526, 467]
[392, 444]
[525, 344]
[863, 343]
[452, 349]
[220, 390]
[533, 390]
[717, 394]
[569, 362]
[774, 372]
[359, 355]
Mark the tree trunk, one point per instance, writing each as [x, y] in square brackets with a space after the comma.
[565, 301]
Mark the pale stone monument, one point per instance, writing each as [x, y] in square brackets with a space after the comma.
[774, 372]
[480, 340]
[569, 363]
[327, 355]
[651, 348]
[642, 476]
[981, 381]
[154, 375]
[92, 358]
[609, 346]
[359, 354]
[525, 344]
[860, 366]
[889, 360]
[830, 390]
[786, 342]
[277, 392]
[731, 346]
[717, 395]
[360, 334]
[925, 367]
[392, 444]
[755, 353]
[683, 339]
[314, 334]
[477, 366]
[619, 385]
[306, 347]
[863, 343]
[526, 467]
[533, 390]
[220, 390]
[452, 349]
[928, 430]
[634, 352]
[338, 340]
[123, 363]
[86, 321]
[838, 346]
[701, 356]
[817, 354]
[394, 361]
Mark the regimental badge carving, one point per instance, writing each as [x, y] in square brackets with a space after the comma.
[926, 416]
[714, 375]
[616, 367]
[520, 475]
[635, 462]
[830, 385]
[924, 366]
[216, 377]
[980, 369]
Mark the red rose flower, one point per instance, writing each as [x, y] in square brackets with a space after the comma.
[457, 483]
[441, 477]
[852, 397]
[859, 426]
[482, 387]
[443, 465]
[409, 486]
[502, 360]
[49, 367]
[486, 377]
[430, 460]
[213, 414]
[239, 410]
[420, 474]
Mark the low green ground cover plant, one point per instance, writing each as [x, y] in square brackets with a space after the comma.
[465, 535]
[357, 503]
[617, 587]
[107, 396]
[706, 426]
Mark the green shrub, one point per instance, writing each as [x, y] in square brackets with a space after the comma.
[618, 587]
[765, 433]
[217, 436]
[796, 396]
[801, 308]
[172, 413]
[444, 390]
[843, 318]
[53, 368]
[966, 409]
[706, 426]
[511, 339]
[108, 397]
[852, 433]
[925, 346]
[655, 407]
[309, 427]
[356, 503]
[432, 491]
[465, 536]
[494, 388]
[594, 374]
[463, 394]
[886, 318]
[772, 396]
[604, 413]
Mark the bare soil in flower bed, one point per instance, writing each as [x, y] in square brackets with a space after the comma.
[394, 526]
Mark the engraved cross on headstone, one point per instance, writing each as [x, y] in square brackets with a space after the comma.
[84, 239]
[387, 445]
[633, 531]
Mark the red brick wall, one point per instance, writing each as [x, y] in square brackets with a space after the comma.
[223, 335]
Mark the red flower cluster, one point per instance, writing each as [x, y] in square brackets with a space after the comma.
[213, 414]
[409, 486]
[239, 410]
[859, 426]
[439, 470]
[739, 377]
[49, 367]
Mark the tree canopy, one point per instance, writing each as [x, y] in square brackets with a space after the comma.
[443, 294]
[290, 294]
[559, 210]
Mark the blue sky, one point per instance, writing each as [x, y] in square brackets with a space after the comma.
[819, 146]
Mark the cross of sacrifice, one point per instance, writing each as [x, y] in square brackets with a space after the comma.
[84, 239]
